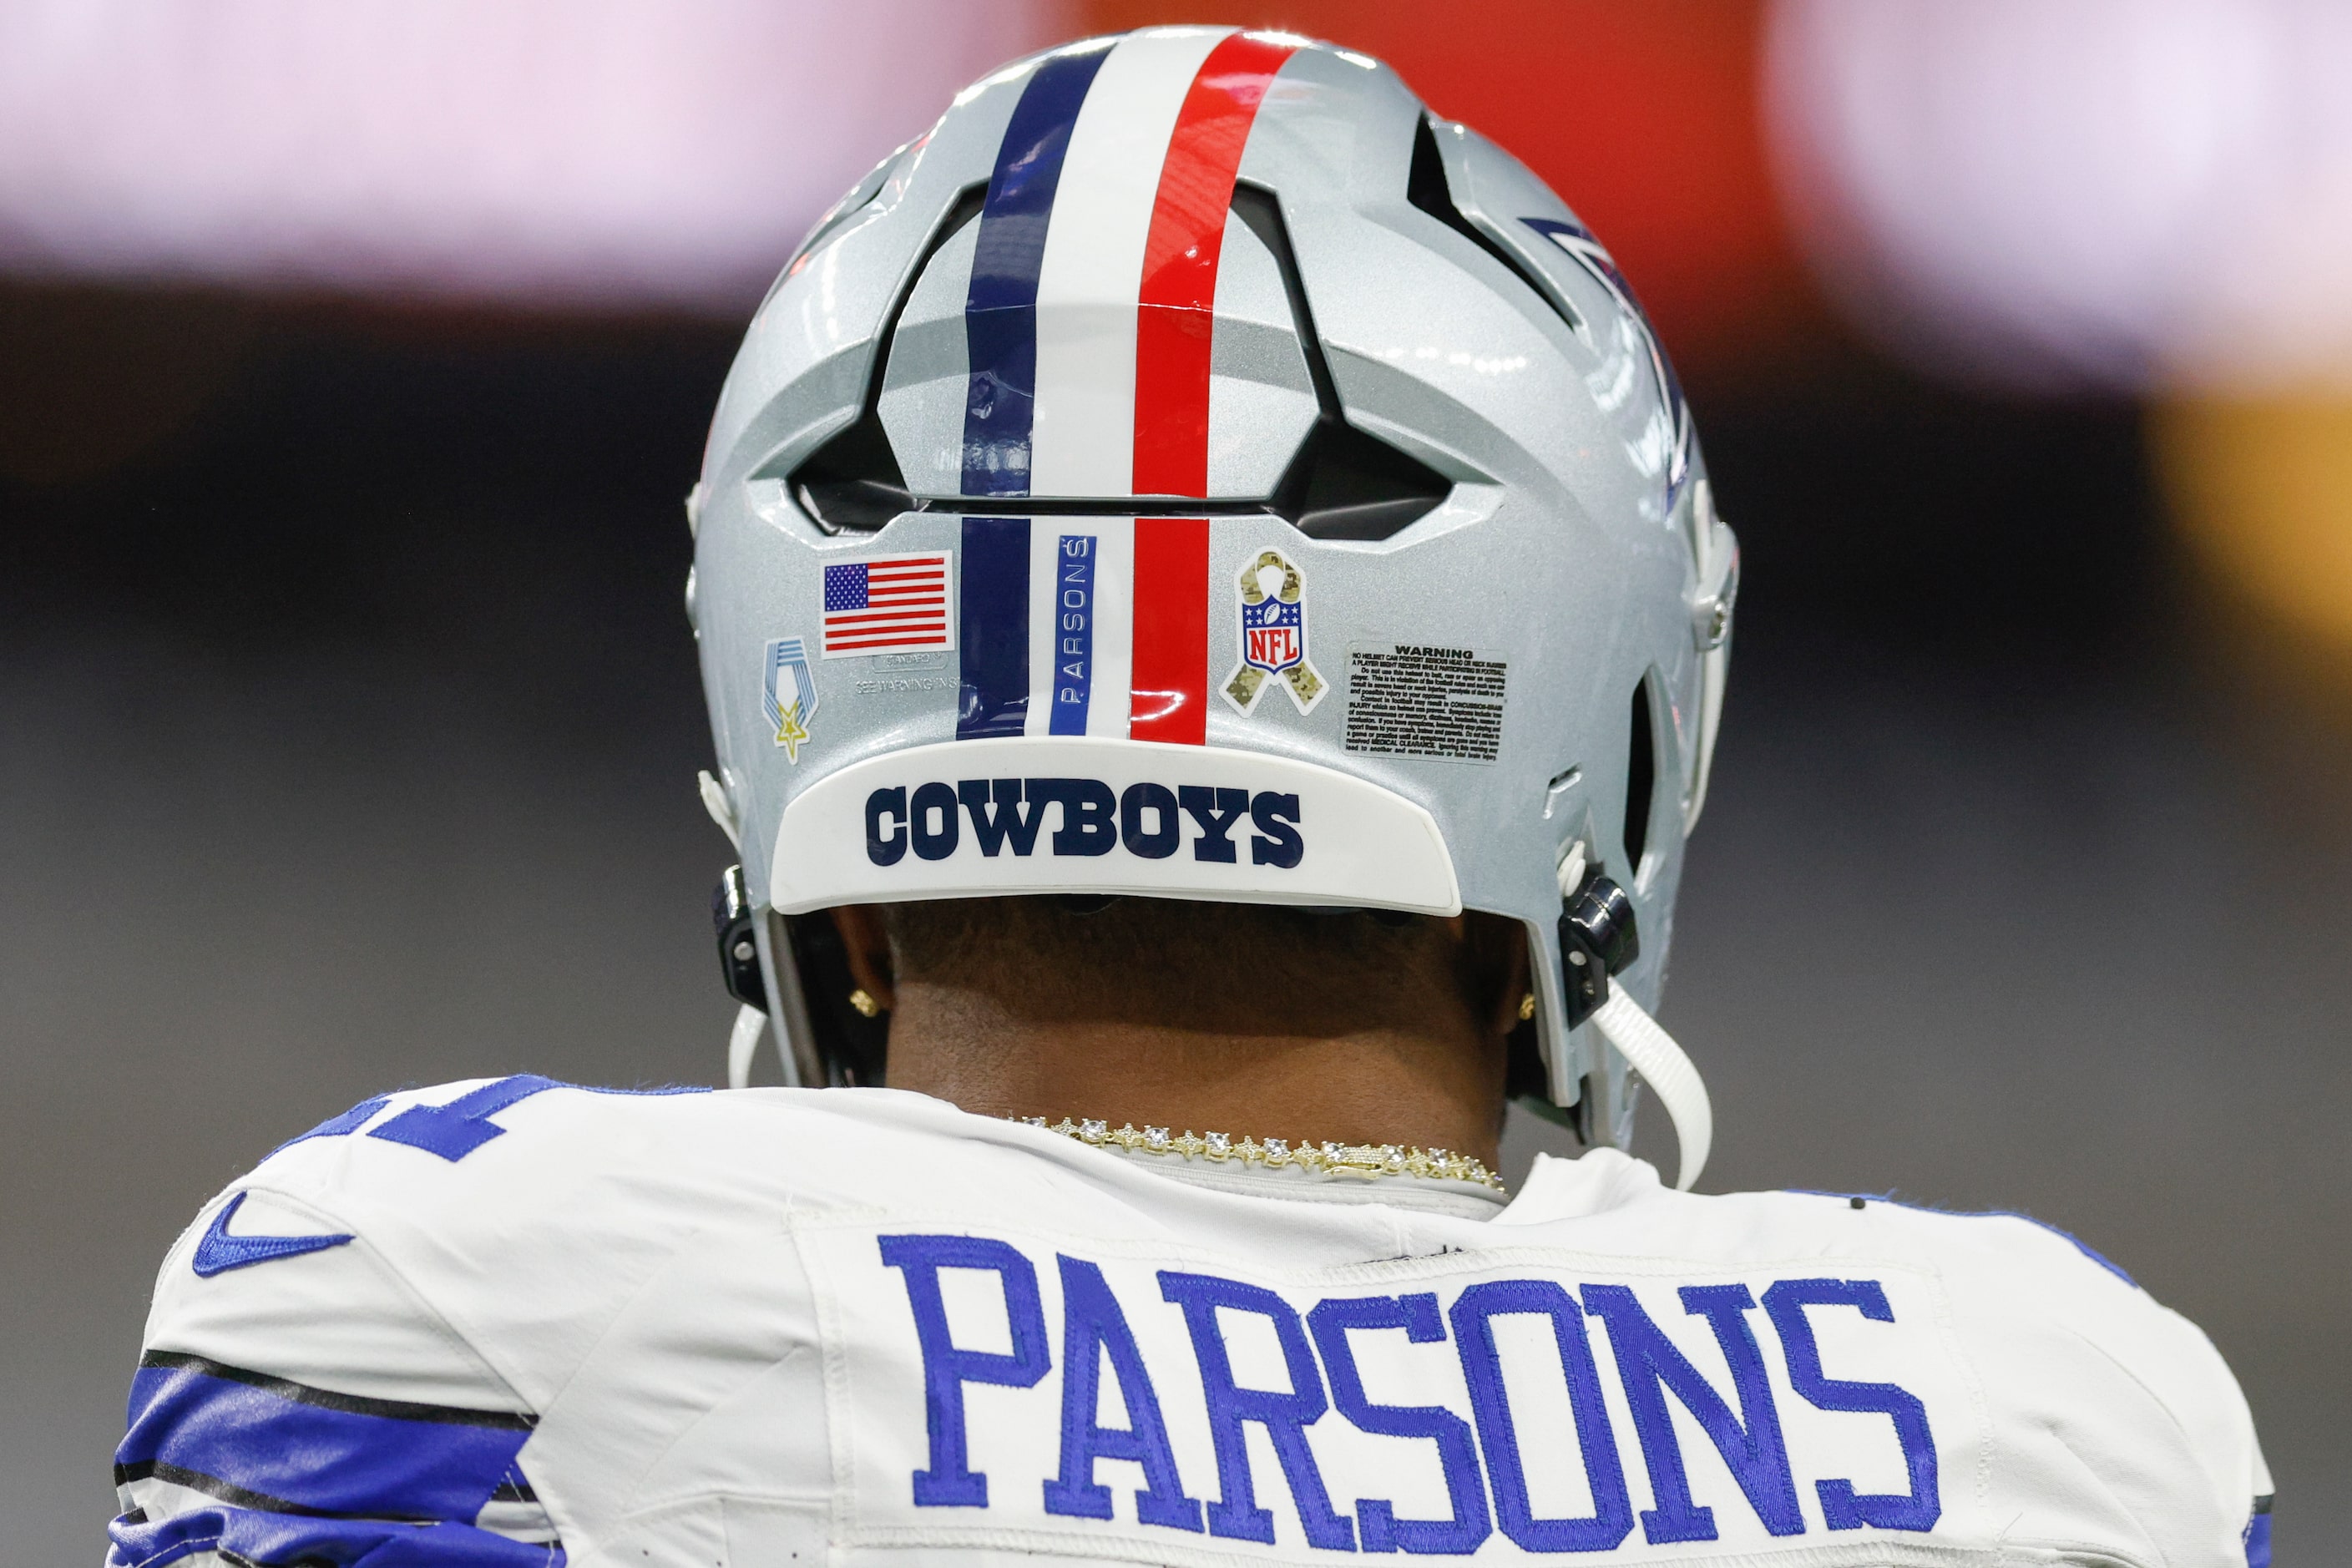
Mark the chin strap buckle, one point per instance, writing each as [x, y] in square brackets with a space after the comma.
[1598, 938]
[739, 947]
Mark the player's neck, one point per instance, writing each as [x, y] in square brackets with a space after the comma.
[1429, 1081]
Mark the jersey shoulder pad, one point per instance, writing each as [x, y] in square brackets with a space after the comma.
[471, 1242]
[413, 1288]
[298, 1399]
[2085, 1374]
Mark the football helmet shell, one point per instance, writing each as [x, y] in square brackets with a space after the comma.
[1190, 469]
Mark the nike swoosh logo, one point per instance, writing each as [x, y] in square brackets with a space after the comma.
[219, 1251]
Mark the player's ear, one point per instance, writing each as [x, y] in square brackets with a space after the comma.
[1499, 961]
[866, 942]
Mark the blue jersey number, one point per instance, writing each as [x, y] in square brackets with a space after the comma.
[456, 1129]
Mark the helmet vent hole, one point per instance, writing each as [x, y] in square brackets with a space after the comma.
[1426, 188]
[853, 483]
[1343, 483]
[1641, 779]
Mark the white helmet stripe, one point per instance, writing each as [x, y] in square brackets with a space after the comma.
[1090, 277]
[1092, 297]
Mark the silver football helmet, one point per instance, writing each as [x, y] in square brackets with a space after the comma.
[1192, 470]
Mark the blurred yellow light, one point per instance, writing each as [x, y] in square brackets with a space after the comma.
[2261, 487]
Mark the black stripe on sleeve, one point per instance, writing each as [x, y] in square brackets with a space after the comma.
[236, 1496]
[328, 1399]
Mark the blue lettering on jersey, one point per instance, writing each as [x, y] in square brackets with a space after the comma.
[1457, 1451]
[1285, 1414]
[950, 1482]
[1841, 1506]
[1479, 1458]
[1611, 1519]
[456, 1129]
[1649, 1365]
[1093, 1328]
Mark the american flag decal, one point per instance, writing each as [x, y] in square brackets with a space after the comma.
[889, 603]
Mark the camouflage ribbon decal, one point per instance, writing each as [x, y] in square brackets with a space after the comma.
[1272, 635]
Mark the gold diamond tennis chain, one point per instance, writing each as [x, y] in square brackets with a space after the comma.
[1365, 1160]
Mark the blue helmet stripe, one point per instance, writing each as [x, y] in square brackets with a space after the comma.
[1000, 301]
[992, 642]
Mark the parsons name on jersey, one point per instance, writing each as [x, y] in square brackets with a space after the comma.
[780, 1325]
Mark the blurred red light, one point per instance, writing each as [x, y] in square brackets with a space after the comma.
[1644, 117]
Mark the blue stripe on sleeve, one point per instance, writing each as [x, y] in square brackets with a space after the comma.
[999, 320]
[2258, 1535]
[267, 1443]
[268, 1540]
[994, 624]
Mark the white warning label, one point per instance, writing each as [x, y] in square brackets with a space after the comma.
[1418, 700]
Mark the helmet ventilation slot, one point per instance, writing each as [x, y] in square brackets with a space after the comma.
[853, 483]
[1641, 780]
[1343, 483]
[1426, 188]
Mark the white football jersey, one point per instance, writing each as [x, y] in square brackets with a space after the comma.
[519, 1323]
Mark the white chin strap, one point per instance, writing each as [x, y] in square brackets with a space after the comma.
[1653, 1053]
[743, 1044]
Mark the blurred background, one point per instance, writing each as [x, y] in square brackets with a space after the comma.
[354, 361]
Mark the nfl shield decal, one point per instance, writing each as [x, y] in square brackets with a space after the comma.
[1273, 636]
[788, 694]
